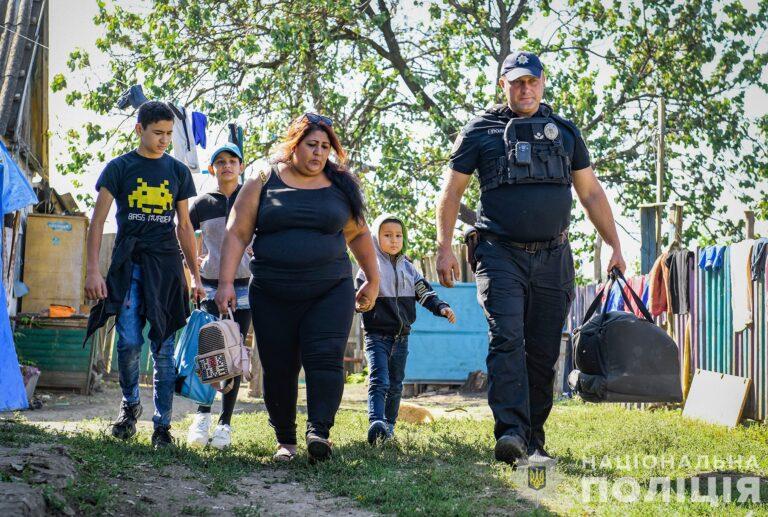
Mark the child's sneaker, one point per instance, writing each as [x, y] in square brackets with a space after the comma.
[197, 436]
[377, 432]
[222, 437]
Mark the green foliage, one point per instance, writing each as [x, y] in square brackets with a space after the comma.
[400, 80]
[58, 82]
[358, 378]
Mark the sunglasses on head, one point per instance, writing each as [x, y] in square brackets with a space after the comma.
[314, 118]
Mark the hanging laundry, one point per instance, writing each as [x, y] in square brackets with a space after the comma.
[658, 279]
[199, 124]
[614, 300]
[759, 253]
[639, 285]
[712, 258]
[680, 264]
[236, 136]
[184, 148]
[741, 284]
[240, 139]
[133, 96]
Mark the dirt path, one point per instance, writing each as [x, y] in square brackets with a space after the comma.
[177, 490]
[67, 411]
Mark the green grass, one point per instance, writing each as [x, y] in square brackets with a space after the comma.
[444, 468]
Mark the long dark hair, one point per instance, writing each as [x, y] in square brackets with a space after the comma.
[336, 171]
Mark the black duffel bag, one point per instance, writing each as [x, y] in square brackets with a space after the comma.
[619, 357]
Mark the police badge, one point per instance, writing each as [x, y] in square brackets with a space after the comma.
[551, 131]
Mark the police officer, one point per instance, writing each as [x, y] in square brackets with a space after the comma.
[527, 159]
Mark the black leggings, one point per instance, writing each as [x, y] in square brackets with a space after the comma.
[302, 323]
[243, 318]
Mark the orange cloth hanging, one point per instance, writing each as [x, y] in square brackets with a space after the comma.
[658, 279]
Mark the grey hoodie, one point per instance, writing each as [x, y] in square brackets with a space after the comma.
[401, 285]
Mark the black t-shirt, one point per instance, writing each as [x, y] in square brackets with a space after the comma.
[146, 191]
[299, 233]
[526, 212]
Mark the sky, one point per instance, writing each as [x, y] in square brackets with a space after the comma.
[68, 14]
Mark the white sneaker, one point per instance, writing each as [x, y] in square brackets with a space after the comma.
[197, 436]
[222, 436]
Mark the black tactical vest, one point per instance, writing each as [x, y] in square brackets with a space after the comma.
[534, 153]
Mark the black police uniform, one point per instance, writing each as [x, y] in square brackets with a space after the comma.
[525, 268]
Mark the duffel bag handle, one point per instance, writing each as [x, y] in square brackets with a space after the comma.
[638, 301]
[616, 275]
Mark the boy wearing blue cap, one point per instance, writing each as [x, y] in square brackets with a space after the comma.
[209, 214]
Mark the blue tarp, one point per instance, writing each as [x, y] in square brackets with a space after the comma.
[16, 194]
[441, 352]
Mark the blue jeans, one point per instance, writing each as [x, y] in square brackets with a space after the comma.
[386, 357]
[129, 326]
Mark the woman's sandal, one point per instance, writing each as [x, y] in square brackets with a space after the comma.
[318, 449]
[283, 455]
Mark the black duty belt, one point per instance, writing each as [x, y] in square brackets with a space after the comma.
[530, 247]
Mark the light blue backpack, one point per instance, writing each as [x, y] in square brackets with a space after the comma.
[188, 383]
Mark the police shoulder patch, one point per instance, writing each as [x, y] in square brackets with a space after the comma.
[567, 123]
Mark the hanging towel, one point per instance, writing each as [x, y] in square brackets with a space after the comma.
[184, 148]
[658, 279]
[680, 264]
[741, 284]
[712, 258]
[759, 252]
[199, 123]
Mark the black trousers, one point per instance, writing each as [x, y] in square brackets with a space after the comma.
[526, 298]
[228, 400]
[295, 324]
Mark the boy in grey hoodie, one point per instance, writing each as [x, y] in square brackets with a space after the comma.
[388, 324]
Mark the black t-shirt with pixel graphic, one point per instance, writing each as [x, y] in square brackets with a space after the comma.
[146, 191]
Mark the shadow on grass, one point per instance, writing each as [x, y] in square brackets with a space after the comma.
[427, 470]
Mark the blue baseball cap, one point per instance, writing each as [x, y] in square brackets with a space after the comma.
[521, 63]
[228, 147]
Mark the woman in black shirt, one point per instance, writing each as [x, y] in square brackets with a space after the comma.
[305, 211]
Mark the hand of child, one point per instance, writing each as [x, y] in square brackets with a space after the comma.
[448, 313]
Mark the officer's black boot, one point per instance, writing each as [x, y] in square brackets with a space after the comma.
[125, 425]
[510, 448]
[538, 456]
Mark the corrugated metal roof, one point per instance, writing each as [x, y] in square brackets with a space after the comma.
[19, 26]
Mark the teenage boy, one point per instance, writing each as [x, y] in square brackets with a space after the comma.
[146, 278]
[209, 214]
